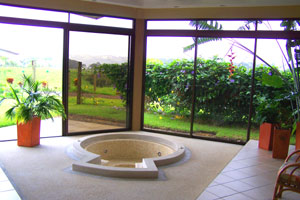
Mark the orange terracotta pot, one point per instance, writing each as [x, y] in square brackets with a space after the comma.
[297, 145]
[29, 133]
[266, 131]
[281, 142]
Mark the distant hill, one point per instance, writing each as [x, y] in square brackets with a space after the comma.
[88, 60]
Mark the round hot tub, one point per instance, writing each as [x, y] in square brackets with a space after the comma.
[125, 155]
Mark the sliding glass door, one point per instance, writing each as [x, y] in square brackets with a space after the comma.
[98, 82]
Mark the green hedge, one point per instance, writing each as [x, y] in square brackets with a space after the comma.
[220, 98]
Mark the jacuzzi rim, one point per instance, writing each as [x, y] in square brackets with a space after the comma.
[149, 165]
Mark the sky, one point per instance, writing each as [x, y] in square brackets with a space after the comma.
[32, 42]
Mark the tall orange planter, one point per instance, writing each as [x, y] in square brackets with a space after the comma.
[297, 145]
[281, 142]
[266, 131]
[29, 133]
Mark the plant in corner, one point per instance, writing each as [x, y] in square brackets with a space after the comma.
[32, 102]
[275, 117]
[267, 117]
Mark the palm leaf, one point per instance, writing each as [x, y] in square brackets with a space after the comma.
[200, 41]
[14, 94]
[204, 25]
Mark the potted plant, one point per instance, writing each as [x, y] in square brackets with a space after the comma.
[267, 117]
[32, 102]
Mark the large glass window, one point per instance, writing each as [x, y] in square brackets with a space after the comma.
[24, 50]
[168, 84]
[98, 69]
[220, 101]
[96, 95]
[223, 83]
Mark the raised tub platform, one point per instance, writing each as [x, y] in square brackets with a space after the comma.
[125, 155]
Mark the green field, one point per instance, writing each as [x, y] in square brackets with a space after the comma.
[53, 76]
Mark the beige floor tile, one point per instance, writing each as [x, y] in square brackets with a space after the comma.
[221, 191]
[257, 181]
[223, 179]
[239, 186]
[213, 184]
[261, 193]
[255, 172]
[207, 196]
[252, 171]
[237, 175]
[237, 197]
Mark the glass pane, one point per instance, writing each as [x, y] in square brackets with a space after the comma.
[278, 25]
[272, 52]
[223, 83]
[232, 25]
[36, 52]
[28, 13]
[100, 20]
[202, 25]
[168, 25]
[168, 85]
[98, 81]
[278, 83]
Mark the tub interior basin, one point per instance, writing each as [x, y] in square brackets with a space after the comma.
[127, 152]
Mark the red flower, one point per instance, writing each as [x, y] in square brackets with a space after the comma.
[10, 80]
[44, 83]
[231, 67]
[75, 81]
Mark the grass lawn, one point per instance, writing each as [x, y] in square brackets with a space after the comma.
[110, 109]
[99, 90]
[168, 122]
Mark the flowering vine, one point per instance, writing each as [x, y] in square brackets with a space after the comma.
[231, 67]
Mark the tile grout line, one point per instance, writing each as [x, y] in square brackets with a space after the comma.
[7, 180]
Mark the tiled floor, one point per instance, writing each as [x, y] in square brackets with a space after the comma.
[7, 191]
[251, 175]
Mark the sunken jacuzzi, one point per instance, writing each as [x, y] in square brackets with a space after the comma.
[125, 155]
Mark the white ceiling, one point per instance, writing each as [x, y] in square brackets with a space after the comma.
[197, 3]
